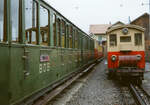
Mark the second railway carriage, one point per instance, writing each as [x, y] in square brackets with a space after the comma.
[98, 50]
[126, 51]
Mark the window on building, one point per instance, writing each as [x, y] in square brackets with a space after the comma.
[1, 20]
[113, 40]
[100, 38]
[125, 39]
[44, 26]
[63, 35]
[70, 36]
[54, 29]
[138, 39]
[15, 20]
[31, 21]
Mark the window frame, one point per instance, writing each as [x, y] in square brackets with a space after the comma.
[58, 31]
[67, 35]
[80, 39]
[48, 32]
[4, 37]
[76, 39]
[141, 43]
[35, 29]
[125, 37]
[54, 25]
[20, 20]
[73, 37]
[115, 40]
[63, 28]
[70, 36]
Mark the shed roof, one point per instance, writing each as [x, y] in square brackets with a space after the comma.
[99, 28]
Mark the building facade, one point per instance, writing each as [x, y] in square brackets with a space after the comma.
[143, 21]
[99, 30]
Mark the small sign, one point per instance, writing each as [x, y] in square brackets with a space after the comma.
[44, 58]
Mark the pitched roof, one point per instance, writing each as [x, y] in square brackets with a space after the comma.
[145, 14]
[118, 23]
[99, 28]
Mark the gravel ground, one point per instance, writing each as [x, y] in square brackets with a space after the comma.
[147, 66]
[146, 81]
[97, 90]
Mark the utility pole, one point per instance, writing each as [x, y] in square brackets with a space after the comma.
[129, 20]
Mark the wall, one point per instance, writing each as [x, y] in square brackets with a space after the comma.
[144, 22]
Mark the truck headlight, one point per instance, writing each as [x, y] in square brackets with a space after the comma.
[138, 57]
[113, 58]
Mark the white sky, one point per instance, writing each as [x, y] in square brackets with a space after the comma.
[85, 12]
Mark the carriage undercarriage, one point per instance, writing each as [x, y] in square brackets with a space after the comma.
[127, 75]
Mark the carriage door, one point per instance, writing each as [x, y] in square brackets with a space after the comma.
[30, 50]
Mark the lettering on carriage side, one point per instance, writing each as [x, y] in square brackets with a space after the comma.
[44, 67]
[44, 63]
[48, 66]
[40, 68]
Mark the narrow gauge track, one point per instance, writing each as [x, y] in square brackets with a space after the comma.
[45, 98]
[127, 98]
[140, 95]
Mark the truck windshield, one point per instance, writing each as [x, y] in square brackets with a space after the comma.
[1, 19]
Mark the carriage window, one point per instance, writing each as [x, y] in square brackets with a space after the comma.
[113, 40]
[76, 39]
[79, 41]
[74, 34]
[70, 36]
[15, 20]
[67, 37]
[1, 20]
[138, 39]
[87, 43]
[125, 39]
[31, 21]
[54, 29]
[44, 26]
[58, 31]
[63, 36]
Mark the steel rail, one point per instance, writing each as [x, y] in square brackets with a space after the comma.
[137, 96]
[144, 92]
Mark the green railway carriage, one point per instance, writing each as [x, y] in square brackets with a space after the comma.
[38, 47]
